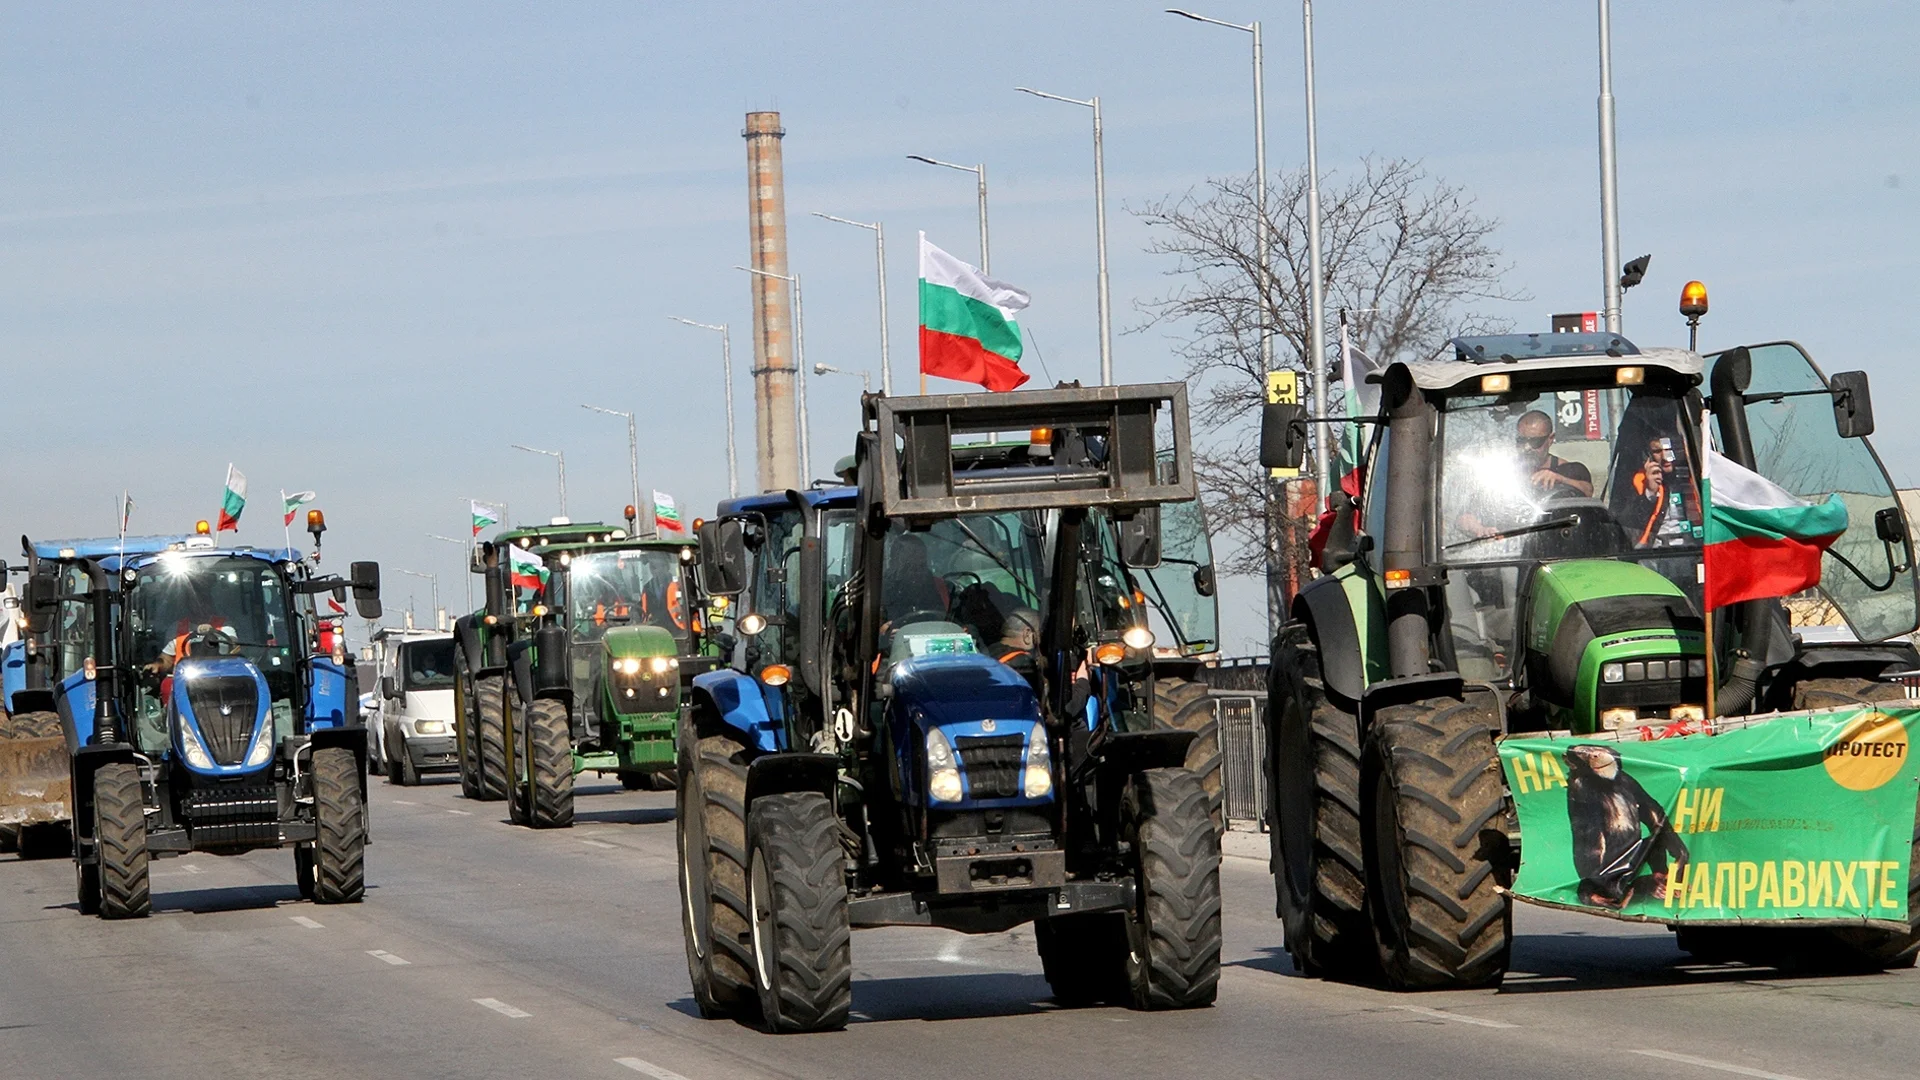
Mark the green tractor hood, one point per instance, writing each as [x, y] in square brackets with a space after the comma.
[1613, 645]
[640, 690]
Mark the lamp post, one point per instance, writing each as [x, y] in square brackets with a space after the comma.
[1609, 179]
[1100, 218]
[799, 367]
[562, 458]
[633, 448]
[866, 381]
[467, 547]
[1317, 291]
[435, 580]
[726, 372]
[880, 262]
[980, 173]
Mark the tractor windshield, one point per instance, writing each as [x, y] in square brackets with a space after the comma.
[970, 570]
[1532, 477]
[635, 587]
[186, 606]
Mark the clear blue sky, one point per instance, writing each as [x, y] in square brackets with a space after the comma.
[361, 249]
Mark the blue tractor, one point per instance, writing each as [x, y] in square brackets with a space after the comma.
[937, 706]
[213, 711]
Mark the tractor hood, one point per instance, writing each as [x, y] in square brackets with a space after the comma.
[1587, 614]
[624, 641]
[220, 716]
[962, 688]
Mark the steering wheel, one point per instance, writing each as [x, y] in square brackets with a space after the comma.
[918, 615]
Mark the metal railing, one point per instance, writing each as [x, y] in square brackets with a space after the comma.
[1238, 688]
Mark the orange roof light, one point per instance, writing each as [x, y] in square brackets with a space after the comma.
[316, 521]
[776, 674]
[1693, 299]
[631, 512]
[201, 528]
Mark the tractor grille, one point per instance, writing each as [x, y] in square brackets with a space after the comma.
[993, 764]
[232, 816]
[226, 707]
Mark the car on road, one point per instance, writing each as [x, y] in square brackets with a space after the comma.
[413, 735]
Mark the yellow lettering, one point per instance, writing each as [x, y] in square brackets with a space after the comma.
[1819, 884]
[1888, 883]
[1793, 884]
[1726, 883]
[1526, 776]
[1710, 809]
[1749, 877]
[1769, 885]
[1677, 886]
[1684, 806]
[1550, 772]
[1845, 895]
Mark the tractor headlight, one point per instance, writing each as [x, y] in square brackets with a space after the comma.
[1692, 714]
[628, 666]
[663, 664]
[1697, 668]
[1038, 781]
[262, 750]
[196, 754]
[1615, 719]
[943, 772]
[1138, 637]
[1612, 673]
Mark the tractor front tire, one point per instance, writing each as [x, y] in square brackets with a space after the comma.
[489, 729]
[120, 836]
[1437, 822]
[1173, 938]
[1313, 812]
[340, 816]
[797, 887]
[1085, 958]
[466, 742]
[303, 870]
[549, 748]
[710, 827]
[1183, 705]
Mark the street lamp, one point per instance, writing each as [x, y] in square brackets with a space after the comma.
[562, 458]
[1609, 178]
[799, 366]
[880, 259]
[726, 373]
[866, 381]
[980, 172]
[1317, 290]
[467, 546]
[1100, 216]
[633, 450]
[435, 579]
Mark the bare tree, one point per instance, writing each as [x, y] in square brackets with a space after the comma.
[1405, 254]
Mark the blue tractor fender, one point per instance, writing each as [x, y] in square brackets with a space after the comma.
[73, 700]
[330, 704]
[739, 703]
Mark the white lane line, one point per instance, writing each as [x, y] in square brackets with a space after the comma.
[189, 868]
[404, 802]
[598, 844]
[1709, 1063]
[502, 1008]
[302, 920]
[382, 954]
[462, 813]
[1438, 1014]
[648, 1068]
[950, 952]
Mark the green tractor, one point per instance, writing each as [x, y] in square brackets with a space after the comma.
[1511, 616]
[573, 665]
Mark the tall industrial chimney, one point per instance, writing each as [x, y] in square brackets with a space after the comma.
[776, 445]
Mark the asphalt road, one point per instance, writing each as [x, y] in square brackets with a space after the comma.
[485, 950]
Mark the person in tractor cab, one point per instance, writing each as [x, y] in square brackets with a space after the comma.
[204, 639]
[1019, 645]
[1546, 475]
[910, 585]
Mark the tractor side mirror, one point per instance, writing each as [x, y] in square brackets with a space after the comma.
[1283, 436]
[365, 578]
[1203, 580]
[1888, 526]
[42, 597]
[1140, 538]
[1852, 404]
[723, 557]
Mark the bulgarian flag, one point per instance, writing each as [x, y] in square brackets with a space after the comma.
[525, 569]
[1762, 540]
[291, 503]
[666, 516]
[483, 516]
[967, 330]
[234, 501]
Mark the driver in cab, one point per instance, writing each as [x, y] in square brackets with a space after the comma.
[1547, 475]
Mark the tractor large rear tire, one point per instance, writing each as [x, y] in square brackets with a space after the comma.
[489, 727]
[340, 813]
[1181, 705]
[40, 840]
[797, 886]
[549, 750]
[710, 827]
[1313, 811]
[1173, 939]
[37, 725]
[1437, 821]
[466, 743]
[1085, 958]
[120, 835]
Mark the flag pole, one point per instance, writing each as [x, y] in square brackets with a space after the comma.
[286, 520]
[1706, 491]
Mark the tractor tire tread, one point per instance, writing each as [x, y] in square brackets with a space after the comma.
[1183, 705]
[489, 705]
[550, 765]
[120, 839]
[811, 986]
[340, 820]
[1174, 939]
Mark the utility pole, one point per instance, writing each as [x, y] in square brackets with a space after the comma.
[1609, 179]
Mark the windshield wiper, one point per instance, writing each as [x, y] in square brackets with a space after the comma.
[1538, 526]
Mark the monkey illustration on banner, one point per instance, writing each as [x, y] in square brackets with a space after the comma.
[1617, 829]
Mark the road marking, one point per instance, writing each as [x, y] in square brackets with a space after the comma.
[598, 844]
[1439, 1014]
[302, 920]
[404, 802]
[649, 1068]
[1709, 1063]
[382, 954]
[950, 952]
[189, 868]
[502, 1008]
[462, 813]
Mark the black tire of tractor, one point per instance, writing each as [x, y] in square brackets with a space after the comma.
[664, 780]
[798, 891]
[86, 887]
[1173, 938]
[710, 827]
[633, 781]
[1437, 821]
[466, 737]
[549, 746]
[1085, 958]
[1855, 948]
[1313, 811]
[120, 837]
[340, 819]
[489, 728]
[1183, 705]
[37, 725]
[303, 870]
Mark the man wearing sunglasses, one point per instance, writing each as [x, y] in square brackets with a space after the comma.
[1549, 475]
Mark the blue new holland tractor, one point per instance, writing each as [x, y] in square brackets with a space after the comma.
[214, 710]
[937, 705]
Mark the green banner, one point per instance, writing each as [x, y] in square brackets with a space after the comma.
[1804, 816]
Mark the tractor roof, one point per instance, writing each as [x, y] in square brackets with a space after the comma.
[1523, 354]
[832, 495]
[576, 532]
[99, 547]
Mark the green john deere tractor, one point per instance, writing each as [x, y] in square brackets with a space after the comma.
[574, 665]
[1505, 672]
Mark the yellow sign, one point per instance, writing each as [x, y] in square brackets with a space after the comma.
[1868, 753]
[1283, 388]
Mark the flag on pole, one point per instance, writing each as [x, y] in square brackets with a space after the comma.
[1363, 398]
[126, 512]
[292, 502]
[1762, 540]
[335, 606]
[666, 516]
[234, 501]
[525, 569]
[483, 516]
[967, 329]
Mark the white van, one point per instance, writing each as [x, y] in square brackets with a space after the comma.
[414, 735]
